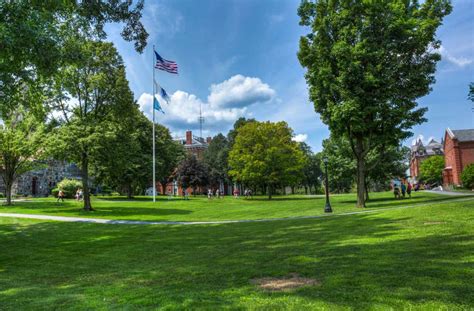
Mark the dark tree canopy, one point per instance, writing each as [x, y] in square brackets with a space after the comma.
[367, 63]
[216, 158]
[192, 172]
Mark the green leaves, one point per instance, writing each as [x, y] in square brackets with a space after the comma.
[264, 154]
[431, 169]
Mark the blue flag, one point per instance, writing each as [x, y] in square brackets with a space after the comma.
[156, 105]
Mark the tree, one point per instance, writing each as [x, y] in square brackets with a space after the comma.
[91, 93]
[237, 124]
[467, 176]
[216, 158]
[169, 154]
[431, 169]
[191, 172]
[128, 167]
[341, 164]
[264, 154]
[21, 138]
[41, 30]
[312, 172]
[471, 92]
[367, 64]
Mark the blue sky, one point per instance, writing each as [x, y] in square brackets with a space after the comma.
[238, 58]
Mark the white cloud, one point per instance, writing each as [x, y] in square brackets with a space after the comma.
[300, 138]
[239, 91]
[458, 61]
[227, 102]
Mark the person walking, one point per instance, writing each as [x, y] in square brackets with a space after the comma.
[409, 187]
[404, 189]
[218, 194]
[60, 196]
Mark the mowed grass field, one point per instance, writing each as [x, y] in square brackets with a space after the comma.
[418, 258]
[200, 208]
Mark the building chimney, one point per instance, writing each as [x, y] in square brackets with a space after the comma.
[208, 140]
[189, 138]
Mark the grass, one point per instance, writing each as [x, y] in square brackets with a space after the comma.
[202, 209]
[419, 258]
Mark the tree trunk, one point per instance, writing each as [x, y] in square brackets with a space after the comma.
[292, 189]
[306, 190]
[85, 182]
[366, 192]
[129, 191]
[361, 189]
[8, 192]
[269, 190]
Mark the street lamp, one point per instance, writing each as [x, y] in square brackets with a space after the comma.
[327, 208]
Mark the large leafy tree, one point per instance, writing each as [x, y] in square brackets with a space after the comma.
[264, 154]
[192, 172]
[312, 172]
[341, 166]
[90, 93]
[216, 158]
[367, 64]
[431, 169]
[33, 35]
[21, 140]
[128, 168]
[169, 154]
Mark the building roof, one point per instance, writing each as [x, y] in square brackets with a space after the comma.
[432, 148]
[198, 142]
[462, 135]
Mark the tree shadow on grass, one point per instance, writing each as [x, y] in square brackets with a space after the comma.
[361, 261]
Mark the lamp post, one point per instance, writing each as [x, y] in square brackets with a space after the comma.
[327, 208]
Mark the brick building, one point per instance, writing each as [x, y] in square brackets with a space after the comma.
[420, 152]
[193, 145]
[459, 152]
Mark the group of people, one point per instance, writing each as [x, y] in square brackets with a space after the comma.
[210, 194]
[400, 191]
[247, 193]
[78, 196]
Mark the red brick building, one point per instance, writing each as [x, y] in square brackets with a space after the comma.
[420, 152]
[458, 153]
[193, 145]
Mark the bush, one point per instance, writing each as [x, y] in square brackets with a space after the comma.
[68, 186]
[467, 176]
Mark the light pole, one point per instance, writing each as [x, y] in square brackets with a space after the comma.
[327, 208]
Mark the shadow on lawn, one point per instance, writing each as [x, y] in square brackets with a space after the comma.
[359, 260]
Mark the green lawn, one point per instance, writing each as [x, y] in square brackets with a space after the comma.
[419, 258]
[202, 209]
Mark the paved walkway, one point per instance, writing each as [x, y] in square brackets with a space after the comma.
[137, 222]
[454, 193]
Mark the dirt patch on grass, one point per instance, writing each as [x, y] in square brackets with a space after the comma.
[293, 281]
[434, 223]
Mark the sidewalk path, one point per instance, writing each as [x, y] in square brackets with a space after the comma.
[138, 222]
[454, 193]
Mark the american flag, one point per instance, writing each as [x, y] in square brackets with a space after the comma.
[166, 65]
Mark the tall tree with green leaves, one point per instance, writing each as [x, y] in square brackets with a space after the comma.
[431, 169]
[312, 172]
[216, 158]
[265, 154]
[90, 94]
[41, 30]
[21, 139]
[367, 63]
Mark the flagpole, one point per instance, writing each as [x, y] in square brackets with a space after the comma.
[153, 108]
